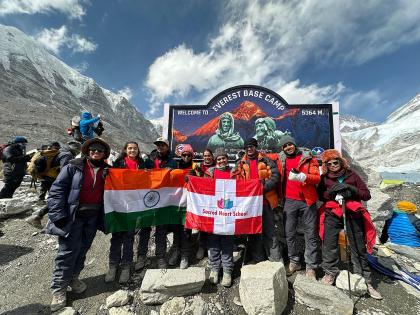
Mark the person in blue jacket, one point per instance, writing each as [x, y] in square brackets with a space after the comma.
[76, 212]
[87, 125]
[403, 228]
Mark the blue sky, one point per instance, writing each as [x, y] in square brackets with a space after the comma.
[365, 54]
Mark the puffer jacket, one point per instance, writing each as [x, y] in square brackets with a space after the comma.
[267, 171]
[14, 162]
[63, 198]
[309, 166]
[86, 125]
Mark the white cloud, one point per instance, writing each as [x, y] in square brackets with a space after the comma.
[266, 43]
[126, 92]
[54, 39]
[72, 8]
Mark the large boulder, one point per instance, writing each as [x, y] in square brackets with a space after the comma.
[16, 205]
[159, 285]
[326, 298]
[263, 288]
[357, 283]
[119, 298]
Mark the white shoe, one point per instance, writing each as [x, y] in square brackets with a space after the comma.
[59, 300]
[214, 276]
[110, 275]
[227, 280]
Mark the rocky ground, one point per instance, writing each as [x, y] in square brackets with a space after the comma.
[26, 259]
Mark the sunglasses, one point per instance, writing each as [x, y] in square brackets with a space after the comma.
[96, 150]
[333, 163]
[186, 155]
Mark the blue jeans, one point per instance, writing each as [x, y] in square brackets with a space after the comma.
[220, 252]
[72, 251]
[124, 241]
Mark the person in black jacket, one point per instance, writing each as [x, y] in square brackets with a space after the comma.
[65, 155]
[14, 166]
[121, 250]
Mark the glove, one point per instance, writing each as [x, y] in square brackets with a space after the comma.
[298, 177]
[99, 116]
[354, 191]
[338, 187]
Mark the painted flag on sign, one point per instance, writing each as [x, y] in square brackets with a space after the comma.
[224, 206]
[140, 198]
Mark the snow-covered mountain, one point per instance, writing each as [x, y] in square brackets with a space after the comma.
[392, 146]
[39, 94]
[352, 123]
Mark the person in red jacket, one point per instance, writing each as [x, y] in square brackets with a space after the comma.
[338, 178]
[220, 247]
[300, 177]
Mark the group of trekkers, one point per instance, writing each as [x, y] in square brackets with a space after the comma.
[292, 184]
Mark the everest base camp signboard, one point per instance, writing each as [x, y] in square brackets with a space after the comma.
[241, 112]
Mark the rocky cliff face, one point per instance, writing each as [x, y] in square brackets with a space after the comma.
[39, 94]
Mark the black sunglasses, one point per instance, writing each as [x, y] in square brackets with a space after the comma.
[97, 150]
[333, 163]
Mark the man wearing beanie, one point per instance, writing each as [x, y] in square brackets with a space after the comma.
[300, 177]
[255, 165]
[76, 212]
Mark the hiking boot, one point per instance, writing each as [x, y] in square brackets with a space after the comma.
[373, 293]
[125, 275]
[173, 258]
[310, 273]
[200, 253]
[35, 221]
[184, 263]
[226, 280]
[59, 300]
[214, 277]
[142, 261]
[111, 273]
[161, 262]
[77, 286]
[328, 279]
[293, 267]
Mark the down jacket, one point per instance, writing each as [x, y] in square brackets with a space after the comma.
[63, 198]
[14, 162]
[309, 166]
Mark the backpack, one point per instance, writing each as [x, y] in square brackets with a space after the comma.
[41, 164]
[2, 148]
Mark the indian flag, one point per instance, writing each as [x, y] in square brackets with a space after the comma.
[140, 198]
[224, 206]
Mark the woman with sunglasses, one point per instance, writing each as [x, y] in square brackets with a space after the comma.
[121, 249]
[339, 179]
[220, 247]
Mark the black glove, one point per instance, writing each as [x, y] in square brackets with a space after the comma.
[338, 187]
[354, 191]
[61, 223]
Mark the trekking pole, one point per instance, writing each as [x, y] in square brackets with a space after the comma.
[340, 200]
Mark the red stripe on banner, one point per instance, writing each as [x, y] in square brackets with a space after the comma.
[248, 188]
[203, 186]
[248, 226]
[198, 222]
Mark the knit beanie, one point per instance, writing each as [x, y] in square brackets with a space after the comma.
[286, 139]
[220, 152]
[406, 206]
[187, 149]
[251, 141]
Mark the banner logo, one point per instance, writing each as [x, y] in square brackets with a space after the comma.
[224, 203]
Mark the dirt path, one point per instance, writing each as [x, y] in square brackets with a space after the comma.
[25, 273]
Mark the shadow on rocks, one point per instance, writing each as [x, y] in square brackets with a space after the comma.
[95, 286]
[11, 252]
[30, 309]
